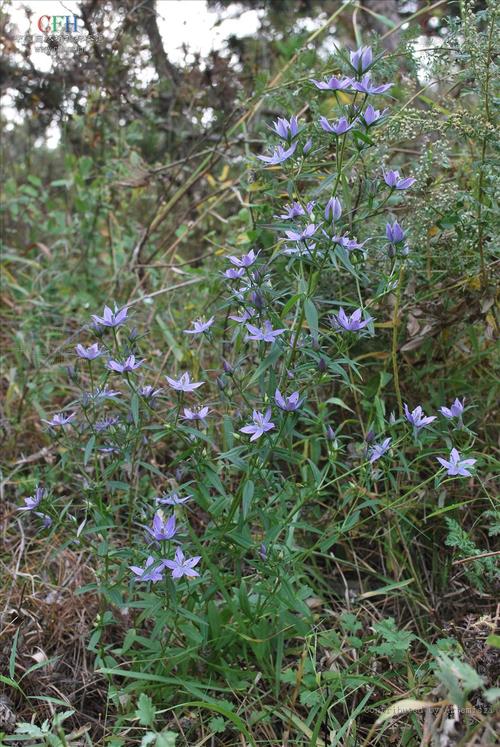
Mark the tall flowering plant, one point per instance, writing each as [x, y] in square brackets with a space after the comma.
[197, 488]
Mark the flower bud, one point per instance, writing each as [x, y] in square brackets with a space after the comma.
[322, 367]
[227, 367]
[257, 299]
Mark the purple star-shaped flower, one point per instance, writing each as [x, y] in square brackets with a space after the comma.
[90, 353]
[305, 249]
[172, 499]
[366, 86]
[149, 572]
[352, 323]
[103, 425]
[337, 128]
[246, 260]
[371, 115]
[333, 209]
[280, 155]
[267, 334]
[199, 326]
[378, 450]
[184, 383]
[149, 392]
[233, 274]
[394, 181]
[33, 501]
[417, 418]
[394, 232]
[308, 231]
[286, 128]
[261, 424]
[128, 365]
[162, 529]
[361, 59]
[288, 404]
[455, 465]
[60, 420]
[104, 393]
[110, 318]
[295, 209]
[332, 84]
[245, 315]
[348, 243]
[182, 566]
[196, 413]
[455, 411]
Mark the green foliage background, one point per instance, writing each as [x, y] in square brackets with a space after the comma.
[139, 204]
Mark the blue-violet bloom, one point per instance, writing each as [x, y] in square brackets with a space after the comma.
[332, 84]
[233, 274]
[395, 181]
[182, 566]
[195, 413]
[103, 425]
[60, 420]
[361, 59]
[90, 353]
[378, 450]
[261, 424]
[162, 529]
[308, 231]
[455, 411]
[245, 315]
[366, 86]
[371, 115]
[149, 572]
[267, 334]
[347, 243]
[128, 365]
[417, 418]
[455, 465]
[172, 499]
[280, 155]
[246, 260]
[295, 210]
[394, 233]
[149, 392]
[199, 326]
[110, 318]
[286, 128]
[33, 501]
[352, 323]
[184, 383]
[288, 404]
[337, 128]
